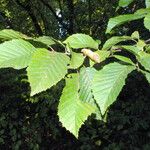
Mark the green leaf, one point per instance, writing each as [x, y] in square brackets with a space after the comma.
[147, 2]
[77, 60]
[85, 82]
[142, 12]
[108, 83]
[103, 56]
[135, 35]
[16, 53]
[124, 59]
[125, 3]
[115, 40]
[81, 41]
[9, 34]
[144, 59]
[131, 49]
[85, 88]
[140, 45]
[147, 48]
[71, 111]
[147, 75]
[119, 20]
[147, 21]
[45, 40]
[46, 69]
[98, 41]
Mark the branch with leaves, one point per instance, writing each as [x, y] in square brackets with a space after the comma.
[94, 86]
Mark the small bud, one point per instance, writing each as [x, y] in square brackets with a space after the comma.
[92, 55]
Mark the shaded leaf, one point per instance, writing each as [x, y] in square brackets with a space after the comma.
[135, 35]
[147, 2]
[140, 45]
[119, 20]
[85, 85]
[131, 49]
[85, 82]
[144, 59]
[103, 55]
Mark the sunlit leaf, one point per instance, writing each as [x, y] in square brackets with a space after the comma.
[147, 21]
[124, 59]
[45, 40]
[77, 60]
[9, 34]
[81, 41]
[135, 35]
[71, 111]
[115, 40]
[108, 83]
[119, 20]
[124, 3]
[46, 69]
[16, 53]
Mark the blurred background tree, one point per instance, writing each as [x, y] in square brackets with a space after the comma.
[57, 18]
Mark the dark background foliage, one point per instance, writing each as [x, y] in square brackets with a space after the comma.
[32, 123]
